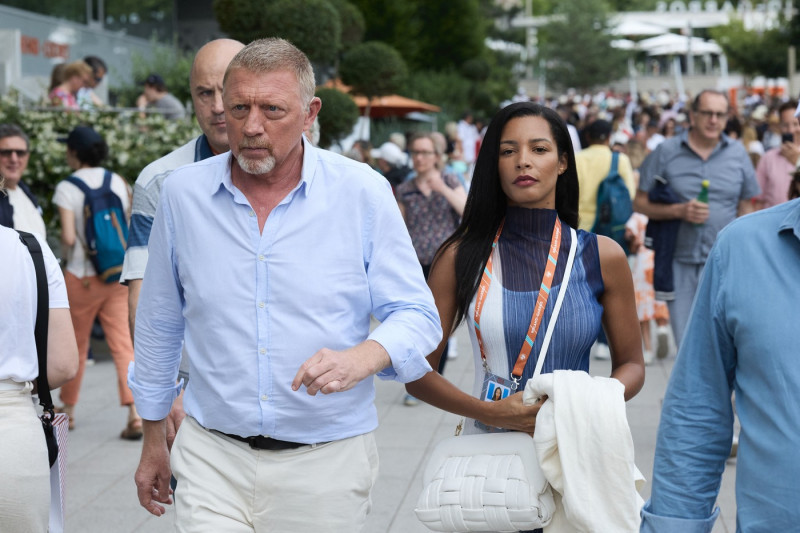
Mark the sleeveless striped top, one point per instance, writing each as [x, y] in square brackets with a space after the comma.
[519, 261]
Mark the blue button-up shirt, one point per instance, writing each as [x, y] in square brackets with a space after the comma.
[731, 179]
[743, 335]
[252, 306]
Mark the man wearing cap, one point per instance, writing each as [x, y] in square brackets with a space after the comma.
[776, 167]
[205, 81]
[392, 162]
[684, 161]
[91, 296]
[268, 262]
[593, 164]
[155, 96]
[18, 206]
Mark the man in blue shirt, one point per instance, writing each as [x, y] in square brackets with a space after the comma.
[742, 336]
[268, 262]
[684, 162]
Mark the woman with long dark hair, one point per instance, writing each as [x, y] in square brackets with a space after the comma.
[521, 205]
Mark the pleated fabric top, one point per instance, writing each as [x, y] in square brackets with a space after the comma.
[519, 261]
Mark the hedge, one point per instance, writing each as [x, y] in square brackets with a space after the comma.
[134, 142]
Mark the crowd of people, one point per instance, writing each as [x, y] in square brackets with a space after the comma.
[252, 263]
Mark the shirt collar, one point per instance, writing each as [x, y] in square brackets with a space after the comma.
[310, 161]
[791, 221]
[724, 141]
[202, 150]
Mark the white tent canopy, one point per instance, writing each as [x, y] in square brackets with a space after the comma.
[630, 27]
[670, 44]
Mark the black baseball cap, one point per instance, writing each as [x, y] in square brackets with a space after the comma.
[155, 80]
[81, 137]
[598, 130]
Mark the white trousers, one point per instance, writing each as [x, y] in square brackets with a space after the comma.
[224, 485]
[24, 468]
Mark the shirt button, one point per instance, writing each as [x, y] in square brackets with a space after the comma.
[262, 351]
[260, 257]
[261, 305]
[264, 397]
[252, 213]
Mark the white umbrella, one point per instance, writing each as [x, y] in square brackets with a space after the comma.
[671, 43]
[635, 27]
[623, 44]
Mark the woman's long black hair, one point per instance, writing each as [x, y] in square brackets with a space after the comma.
[486, 202]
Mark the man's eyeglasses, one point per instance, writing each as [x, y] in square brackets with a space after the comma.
[708, 114]
[423, 153]
[8, 152]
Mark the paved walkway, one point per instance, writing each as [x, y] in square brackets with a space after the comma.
[101, 495]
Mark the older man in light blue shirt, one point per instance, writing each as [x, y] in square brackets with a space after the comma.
[268, 262]
[744, 336]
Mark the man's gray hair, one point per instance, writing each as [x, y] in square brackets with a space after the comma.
[272, 55]
[12, 130]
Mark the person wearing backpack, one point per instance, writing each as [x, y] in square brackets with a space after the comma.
[94, 206]
[607, 188]
[594, 168]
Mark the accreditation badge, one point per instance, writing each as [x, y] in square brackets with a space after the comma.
[495, 388]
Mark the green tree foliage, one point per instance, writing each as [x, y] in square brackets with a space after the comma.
[169, 62]
[134, 142]
[391, 22]
[577, 46]
[752, 52]
[337, 117]
[352, 22]
[373, 69]
[242, 20]
[311, 25]
[448, 33]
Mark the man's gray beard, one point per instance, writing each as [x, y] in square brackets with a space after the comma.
[256, 166]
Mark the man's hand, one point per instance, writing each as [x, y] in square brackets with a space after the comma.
[511, 413]
[330, 371]
[153, 475]
[174, 419]
[695, 212]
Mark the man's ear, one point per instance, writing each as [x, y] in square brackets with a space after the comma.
[313, 110]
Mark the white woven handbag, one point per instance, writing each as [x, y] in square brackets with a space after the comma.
[492, 481]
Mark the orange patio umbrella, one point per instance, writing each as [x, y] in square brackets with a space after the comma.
[392, 105]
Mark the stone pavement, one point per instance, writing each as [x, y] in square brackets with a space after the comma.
[101, 496]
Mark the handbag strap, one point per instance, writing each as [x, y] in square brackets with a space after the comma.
[573, 245]
[42, 315]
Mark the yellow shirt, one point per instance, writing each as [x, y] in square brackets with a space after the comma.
[593, 164]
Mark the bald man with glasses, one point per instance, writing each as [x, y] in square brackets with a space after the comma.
[683, 162]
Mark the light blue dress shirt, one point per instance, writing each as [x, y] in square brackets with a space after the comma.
[743, 335]
[252, 307]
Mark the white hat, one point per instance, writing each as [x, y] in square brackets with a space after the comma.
[391, 153]
[760, 112]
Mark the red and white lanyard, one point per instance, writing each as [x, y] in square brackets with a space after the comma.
[538, 311]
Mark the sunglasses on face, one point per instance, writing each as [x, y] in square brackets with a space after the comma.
[8, 152]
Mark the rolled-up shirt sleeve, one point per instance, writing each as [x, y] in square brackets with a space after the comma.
[696, 428]
[401, 300]
[159, 323]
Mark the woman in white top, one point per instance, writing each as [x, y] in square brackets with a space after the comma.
[24, 469]
[90, 296]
